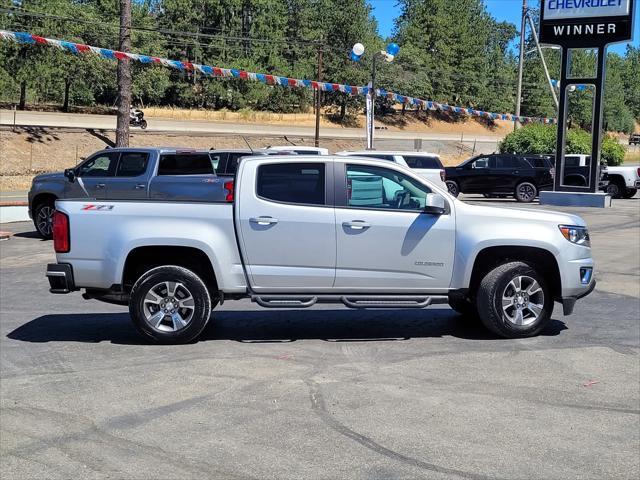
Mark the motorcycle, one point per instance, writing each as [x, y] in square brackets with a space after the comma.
[136, 119]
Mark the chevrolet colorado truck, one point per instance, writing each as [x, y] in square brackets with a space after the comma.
[301, 230]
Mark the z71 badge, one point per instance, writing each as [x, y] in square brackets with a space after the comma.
[92, 206]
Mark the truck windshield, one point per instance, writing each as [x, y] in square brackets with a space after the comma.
[185, 164]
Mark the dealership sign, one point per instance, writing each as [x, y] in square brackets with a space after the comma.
[586, 23]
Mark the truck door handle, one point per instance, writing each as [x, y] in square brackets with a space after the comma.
[140, 186]
[100, 185]
[264, 220]
[356, 224]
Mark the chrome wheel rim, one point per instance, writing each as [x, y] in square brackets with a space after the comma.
[526, 191]
[44, 221]
[168, 307]
[522, 301]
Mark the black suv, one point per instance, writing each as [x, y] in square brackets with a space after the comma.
[499, 175]
[634, 139]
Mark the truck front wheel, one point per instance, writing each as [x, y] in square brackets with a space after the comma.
[170, 304]
[514, 301]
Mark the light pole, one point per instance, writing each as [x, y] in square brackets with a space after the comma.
[389, 54]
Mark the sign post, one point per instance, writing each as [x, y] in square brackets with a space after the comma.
[580, 24]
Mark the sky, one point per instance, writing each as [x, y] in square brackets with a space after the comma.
[385, 11]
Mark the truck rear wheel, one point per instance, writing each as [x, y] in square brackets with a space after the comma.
[514, 301]
[170, 304]
[525, 192]
[453, 188]
[629, 192]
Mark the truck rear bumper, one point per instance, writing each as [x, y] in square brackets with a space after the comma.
[60, 276]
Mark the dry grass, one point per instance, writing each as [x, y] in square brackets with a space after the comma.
[632, 156]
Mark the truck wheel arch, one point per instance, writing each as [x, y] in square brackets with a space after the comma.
[142, 259]
[42, 198]
[538, 258]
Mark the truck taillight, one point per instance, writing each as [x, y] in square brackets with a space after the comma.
[228, 186]
[61, 240]
[638, 171]
[443, 175]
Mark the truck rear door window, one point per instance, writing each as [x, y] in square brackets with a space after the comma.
[302, 183]
[419, 161]
[132, 164]
[185, 164]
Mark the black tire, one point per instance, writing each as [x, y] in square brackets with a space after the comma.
[629, 192]
[462, 305]
[185, 282]
[43, 218]
[453, 188]
[496, 284]
[525, 192]
[615, 189]
[143, 124]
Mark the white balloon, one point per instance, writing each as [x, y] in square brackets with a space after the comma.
[388, 57]
[358, 49]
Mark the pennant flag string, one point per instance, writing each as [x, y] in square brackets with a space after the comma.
[79, 48]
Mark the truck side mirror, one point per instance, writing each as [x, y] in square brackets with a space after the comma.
[434, 204]
[70, 173]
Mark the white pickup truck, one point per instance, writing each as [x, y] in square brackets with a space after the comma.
[301, 230]
[624, 181]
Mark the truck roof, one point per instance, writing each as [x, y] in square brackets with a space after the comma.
[387, 152]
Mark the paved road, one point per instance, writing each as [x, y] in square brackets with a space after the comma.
[108, 122]
[322, 393]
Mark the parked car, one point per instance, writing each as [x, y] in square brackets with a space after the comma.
[634, 139]
[501, 175]
[128, 173]
[426, 164]
[226, 162]
[299, 231]
[300, 150]
[624, 181]
[577, 171]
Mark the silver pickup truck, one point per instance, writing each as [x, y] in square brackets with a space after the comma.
[136, 174]
[296, 231]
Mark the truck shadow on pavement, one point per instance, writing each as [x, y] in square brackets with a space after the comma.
[272, 327]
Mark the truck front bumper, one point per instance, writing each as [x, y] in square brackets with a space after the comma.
[578, 281]
[60, 276]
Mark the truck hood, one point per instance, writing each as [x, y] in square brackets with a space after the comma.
[523, 214]
[49, 176]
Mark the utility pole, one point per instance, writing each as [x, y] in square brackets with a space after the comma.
[124, 76]
[523, 27]
[318, 96]
[544, 63]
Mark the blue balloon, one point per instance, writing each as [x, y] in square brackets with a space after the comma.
[354, 57]
[393, 49]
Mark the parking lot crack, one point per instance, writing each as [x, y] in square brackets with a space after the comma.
[318, 405]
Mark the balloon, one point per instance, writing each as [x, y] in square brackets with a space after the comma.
[354, 57]
[358, 49]
[393, 49]
[388, 57]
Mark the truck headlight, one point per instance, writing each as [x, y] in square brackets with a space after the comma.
[575, 234]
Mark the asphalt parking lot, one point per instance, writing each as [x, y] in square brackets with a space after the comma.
[322, 393]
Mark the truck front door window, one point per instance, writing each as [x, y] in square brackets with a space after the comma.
[102, 165]
[302, 183]
[377, 187]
